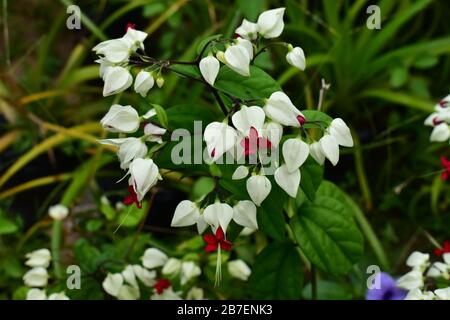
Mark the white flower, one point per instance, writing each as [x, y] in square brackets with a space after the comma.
[154, 258]
[237, 58]
[36, 277]
[247, 45]
[240, 173]
[36, 294]
[195, 294]
[38, 258]
[186, 214]
[219, 138]
[113, 283]
[218, 215]
[117, 79]
[247, 30]
[411, 280]
[417, 260]
[248, 117]
[201, 224]
[144, 175]
[58, 212]
[171, 267]
[209, 68]
[129, 149]
[315, 150]
[244, 214]
[121, 119]
[295, 153]
[114, 50]
[129, 276]
[135, 38]
[446, 257]
[296, 58]
[104, 65]
[443, 294]
[258, 187]
[438, 270]
[154, 133]
[239, 269]
[339, 130]
[270, 23]
[417, 294]
[143, 83]
[189, 270]
[127, 292]
[145, 276]
[58, 296]
[330, 148]
[280, 109]
[273, 132]
[288, 180]
[440, 133]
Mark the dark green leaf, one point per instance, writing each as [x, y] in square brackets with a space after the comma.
[277, 273]
[326, 231]
[258, 86]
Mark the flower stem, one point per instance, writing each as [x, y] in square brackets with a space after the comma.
[55, 246]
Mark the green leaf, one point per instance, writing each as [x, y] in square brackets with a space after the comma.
[399, 76]
[7, 226]
[314, 115]
[258, 86]
[326, 231]
[251, 9]
[312, 174]
[86, 255]
[426, 61]
[277, 273]
[184, 115]
[205, 41]
[162, 115]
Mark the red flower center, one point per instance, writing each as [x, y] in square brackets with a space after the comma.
[253, 142]
[161, 285]
[301, 120]
[214, 241]
[445, 249]
[443, 103]
[446, 165]
[130, 25]
[436, 121]
[132, 198]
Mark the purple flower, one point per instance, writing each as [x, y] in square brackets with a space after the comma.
[384, 288]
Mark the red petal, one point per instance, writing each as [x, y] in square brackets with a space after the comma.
[446, 246]
[130, 25]
[225, 245]
[219, 234]
[210, 239]
[264, 143]
[444, 175]
[211, 248]
[213, 152]
[253, 134]
[438, 252]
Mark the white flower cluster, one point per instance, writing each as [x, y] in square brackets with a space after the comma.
[239, 53]
[37, 277]
[133, 152]
[154, 273]
[114, 70]
[440, 121]
[259, 129]
[416, 280]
